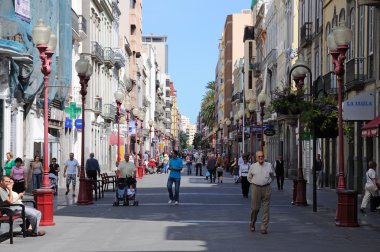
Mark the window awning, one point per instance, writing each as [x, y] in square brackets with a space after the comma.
[371, 128]
[113, 139]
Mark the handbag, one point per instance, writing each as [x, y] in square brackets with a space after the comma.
[207, 174]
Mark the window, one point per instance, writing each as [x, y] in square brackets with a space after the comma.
[371, 19]
[250, 79]
[167, 82]
[351, 52]
[167, 93]
[133, 4]
[316, 65]
[361, 32]
[328, 30]
[342, 16]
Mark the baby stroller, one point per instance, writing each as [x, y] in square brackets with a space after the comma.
[126, 192]
[53, 182]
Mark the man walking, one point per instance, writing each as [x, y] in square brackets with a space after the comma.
[92, 167]
[260, 175]
[127, 169]
[198, 164]
[279, 168]
[70, 172]
[175, 168]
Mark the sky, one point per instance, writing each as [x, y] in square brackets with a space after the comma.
[194, 28]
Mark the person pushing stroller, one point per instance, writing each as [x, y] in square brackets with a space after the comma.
[126, 180]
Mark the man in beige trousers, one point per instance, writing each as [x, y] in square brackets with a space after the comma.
[260, 175]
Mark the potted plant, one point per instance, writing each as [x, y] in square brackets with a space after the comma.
[287, 102]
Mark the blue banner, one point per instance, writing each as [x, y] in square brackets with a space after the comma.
[78, 123]
[68, 123]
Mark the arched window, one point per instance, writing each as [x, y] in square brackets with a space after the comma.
[342, 16]
[371, 21]
[328, 31]
[351, 52]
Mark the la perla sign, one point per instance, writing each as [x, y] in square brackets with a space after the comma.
[360, 107]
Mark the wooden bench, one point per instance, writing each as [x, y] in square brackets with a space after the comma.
[108, 179]
[98, 188]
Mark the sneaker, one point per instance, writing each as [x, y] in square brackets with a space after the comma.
[176, 203]
[170, 201]
[67, 192]
[73, 194]
[362, 210]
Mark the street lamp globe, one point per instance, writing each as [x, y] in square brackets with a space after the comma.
[262, 98]
[331, 42]
[41, 33]
[228, 122]
[119, 96]
[127, 105]
[299, 67]
[82, 65]
[89, 71]
[150, 122]
[342, 35]
[142, 115]
[52, 42]
[135, 112]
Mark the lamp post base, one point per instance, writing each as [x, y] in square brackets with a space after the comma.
[44, 199]
[85, 192]
[140, 172]
[347, 211]
[299, 192]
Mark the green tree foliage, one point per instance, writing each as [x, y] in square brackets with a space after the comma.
[182, 140]
[208, 105]
[197, 140]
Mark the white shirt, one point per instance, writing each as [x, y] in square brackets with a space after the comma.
[261, 174]
[370, 174]
[243, 169]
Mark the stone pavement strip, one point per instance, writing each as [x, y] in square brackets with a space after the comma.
[210, 217]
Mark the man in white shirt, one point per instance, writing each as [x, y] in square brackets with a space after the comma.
[260, 175]
[70, 172]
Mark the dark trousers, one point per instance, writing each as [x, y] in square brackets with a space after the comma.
[169, 185]
[244, 186]
[212, 175]
[91, 175]
[280, 182]
[198, 167]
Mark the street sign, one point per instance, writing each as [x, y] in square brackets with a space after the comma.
[269, 132]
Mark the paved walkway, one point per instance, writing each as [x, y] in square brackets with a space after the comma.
[210, 217]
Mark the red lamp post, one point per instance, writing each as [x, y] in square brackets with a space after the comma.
[221, 137]
[263, 100]
[135, 112]
[46, 42]
[251, 108]
[128, 107]
[142, 115]
[228, 123]
[84, 70]
[119, 97]
[150, 122]
[338, 42]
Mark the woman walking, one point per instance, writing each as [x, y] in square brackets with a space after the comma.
[36, 169]
[9, 163]
[19, 176]
[371, 186]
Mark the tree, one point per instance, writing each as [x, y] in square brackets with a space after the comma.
[182, 140]
[197, 140]
[208, 105]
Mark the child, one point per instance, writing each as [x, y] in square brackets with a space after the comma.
[131, 191]
[219, 171]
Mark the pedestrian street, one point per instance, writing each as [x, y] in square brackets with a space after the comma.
[210, 217]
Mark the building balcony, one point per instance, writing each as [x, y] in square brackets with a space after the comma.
[119, 58]
[109, 112]
[75, 25]
[369, 2]
[318, 86]
[109, 57]
[98, 105]
[82, 22]
[97, 52]
[256, 68]
[329, 80]
[306, 34]
[237, 97]
[355, 75]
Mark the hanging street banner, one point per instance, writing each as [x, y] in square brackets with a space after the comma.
[360, 107]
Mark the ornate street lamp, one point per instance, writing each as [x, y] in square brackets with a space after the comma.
[119, 97]
[228, 124]
[251, 108]
[128, 108]
[221, 137]
[150, 122]
[84, 70]
[299, 71]
[142, 116]
[135, 112]
[338, 42]
[45, 42]
[263, 100]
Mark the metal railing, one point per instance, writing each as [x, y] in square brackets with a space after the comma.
[305, 32]
[82, 24]
[109, 111]
[355, 73]
[97, 51]
[330, 83]
[74, 21]
[109, 56]
[119, 57]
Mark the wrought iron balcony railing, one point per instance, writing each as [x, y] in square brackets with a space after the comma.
[97, 52]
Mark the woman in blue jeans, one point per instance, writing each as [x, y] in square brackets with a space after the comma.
[36, 168]
[175, 168]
